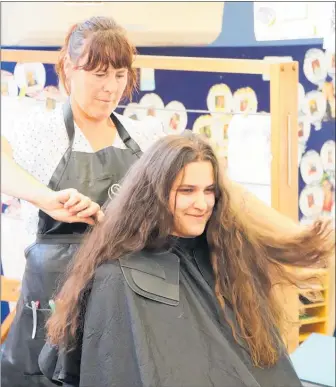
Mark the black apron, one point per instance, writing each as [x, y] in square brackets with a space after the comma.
[96, 175]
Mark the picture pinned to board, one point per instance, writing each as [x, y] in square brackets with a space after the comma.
[202, 126]
[328, 155]
[215, 130]
[311, 167]
[328, 90]
[301, 97]
[315, 66]
[311, 200]
[51, 95]
[9, 86]
[31, 77]
[223, 122]
[323, 203]
[132, 111]
[303, 129]
[220, 99]
[245, 101]
[221, 125]
[330, 61]
[315, 107]
[176, 118]
[328, 187]
[151, 105]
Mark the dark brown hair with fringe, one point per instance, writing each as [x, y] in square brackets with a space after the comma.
[103, 43]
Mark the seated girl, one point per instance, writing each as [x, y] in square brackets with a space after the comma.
[175, 288]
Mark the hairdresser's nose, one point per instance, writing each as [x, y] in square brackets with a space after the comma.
[111, 84]
[200, 202]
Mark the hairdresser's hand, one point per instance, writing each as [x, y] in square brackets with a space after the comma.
[70, 206]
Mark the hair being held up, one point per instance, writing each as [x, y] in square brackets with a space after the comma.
[247, 261]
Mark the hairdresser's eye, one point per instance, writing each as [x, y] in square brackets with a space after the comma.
[120, 76]
[100, 75]
[210, 190]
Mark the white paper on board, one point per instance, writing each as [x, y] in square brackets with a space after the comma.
[249, 153]
[147, 79]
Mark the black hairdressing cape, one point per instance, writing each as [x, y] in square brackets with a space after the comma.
[152, 320]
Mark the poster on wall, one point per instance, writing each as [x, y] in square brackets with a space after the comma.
[290, 20]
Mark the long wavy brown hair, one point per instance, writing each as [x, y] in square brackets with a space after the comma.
[247, 261]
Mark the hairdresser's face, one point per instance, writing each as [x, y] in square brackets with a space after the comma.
[98, 92]
[192, 199]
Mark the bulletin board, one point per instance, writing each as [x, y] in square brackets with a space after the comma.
[187, 95]
[316, 109]
[187, 100]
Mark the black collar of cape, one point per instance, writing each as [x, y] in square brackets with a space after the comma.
[154, 274]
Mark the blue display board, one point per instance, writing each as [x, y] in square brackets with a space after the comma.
[317, 99]
[316, 190]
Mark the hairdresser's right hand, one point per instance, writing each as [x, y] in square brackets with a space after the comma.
[70, 206]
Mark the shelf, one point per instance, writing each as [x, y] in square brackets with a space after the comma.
[310, 306]
[316, 316]
[315, 289]
[312, 320]
[313, 271]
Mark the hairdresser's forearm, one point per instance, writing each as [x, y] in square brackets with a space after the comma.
[15, 181]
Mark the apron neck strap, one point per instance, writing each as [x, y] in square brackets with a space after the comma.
[123, 134]
[69, 121]
[125, 137]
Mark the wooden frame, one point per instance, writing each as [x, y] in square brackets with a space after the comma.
[10, 292]
[283, 106]
[284, 123]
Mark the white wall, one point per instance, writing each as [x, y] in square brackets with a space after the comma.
[148, 23]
